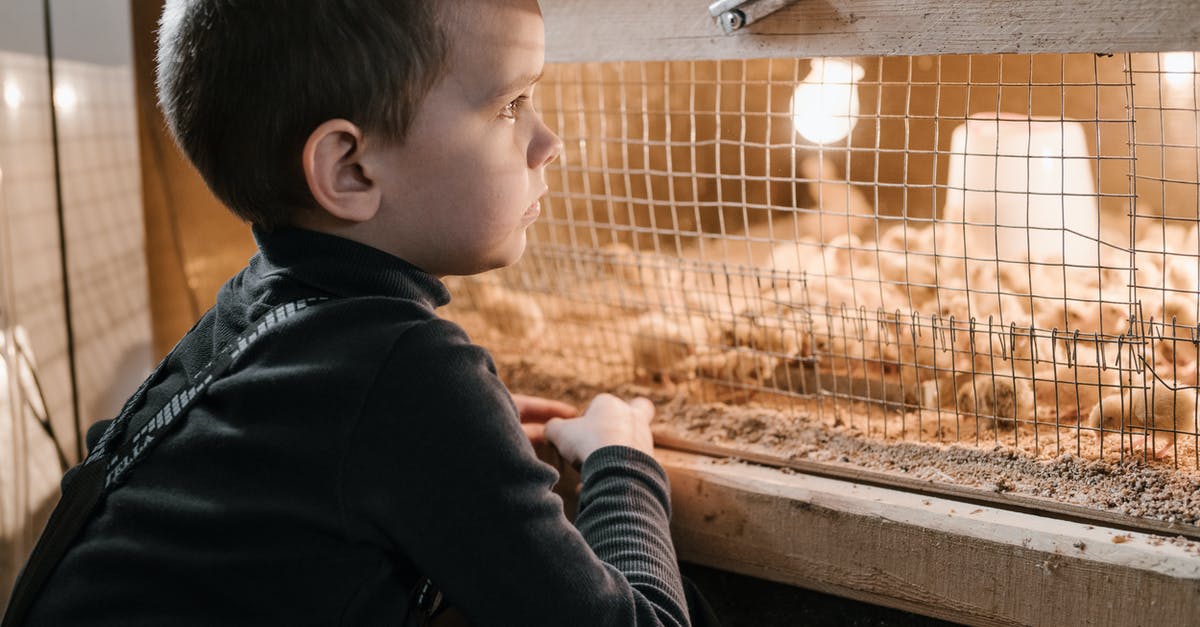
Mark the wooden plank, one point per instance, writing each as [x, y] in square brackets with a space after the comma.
[634, 30]
[939, 557]
[969, 494]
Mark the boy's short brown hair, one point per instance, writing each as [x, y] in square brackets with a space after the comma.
[243, 83]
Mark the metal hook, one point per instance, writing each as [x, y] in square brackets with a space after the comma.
[734, 14]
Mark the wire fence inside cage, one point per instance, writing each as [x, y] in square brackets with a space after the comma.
[989, 249]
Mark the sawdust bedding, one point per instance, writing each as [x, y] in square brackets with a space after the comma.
[1059, 463]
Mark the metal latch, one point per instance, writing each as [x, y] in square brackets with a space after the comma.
[734, 14]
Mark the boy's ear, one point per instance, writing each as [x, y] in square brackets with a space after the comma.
[333, 168]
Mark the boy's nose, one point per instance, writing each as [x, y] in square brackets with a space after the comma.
[545, 148]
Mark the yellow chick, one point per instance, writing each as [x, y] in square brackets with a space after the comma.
[619, 260]
[764, 333]
[509, 312]
[1073, 388]
[1155, 235]
[734, 365]
[840, 338]
[646, 280]
[791, 260]
[662, 345]
[997, 293]
[1172, 412]
[817, 292]
[1178, 316]
[1000, 399]
[840, 256]
[906, 263]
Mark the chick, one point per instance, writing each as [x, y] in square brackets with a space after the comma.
[1055, 286]
[843, 337]
[993, 294]
[1109, 317]
[1177, 308]
[790, 260]
[1180, 273]
[1178, 316]
[1191, 240]
[509, 312]
[762, 333]
[1155, 235]
[1000, 399]
[948, 303]
[644, 279]
[815, 292]
[1172, 412]
[1008, 348]
[662, 345]
[840, 256]
[619, 260]
[950, 343]
[734, 365]
[904, 262]
[941, 392]
[1073, 387]
[1149, 279]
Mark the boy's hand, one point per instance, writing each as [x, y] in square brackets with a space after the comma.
[535, 411]
[607, 421]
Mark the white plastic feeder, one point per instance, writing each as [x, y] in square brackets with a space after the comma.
[1025, 189]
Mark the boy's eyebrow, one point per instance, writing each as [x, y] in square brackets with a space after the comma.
[518, 84]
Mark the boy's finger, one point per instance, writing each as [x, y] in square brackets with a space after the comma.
[552, 429]
[537, 409]
[642, 408]
[604, 401]
[535, 432]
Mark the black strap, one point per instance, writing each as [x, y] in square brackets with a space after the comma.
[103, 470]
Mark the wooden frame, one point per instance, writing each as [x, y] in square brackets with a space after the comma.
[636, 30]
[958, 561]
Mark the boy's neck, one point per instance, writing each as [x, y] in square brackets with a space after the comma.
[366, 233]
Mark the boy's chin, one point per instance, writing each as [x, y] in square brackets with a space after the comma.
[504, 258]
[515, 256]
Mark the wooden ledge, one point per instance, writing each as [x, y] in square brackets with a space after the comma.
[934, 556]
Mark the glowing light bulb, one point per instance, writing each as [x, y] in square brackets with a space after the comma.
[825, 105]
[12, 95]
[1179, 69]
[65, 97]
[1178, 63]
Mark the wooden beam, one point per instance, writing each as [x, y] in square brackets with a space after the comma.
[635, 30]
[938, 557]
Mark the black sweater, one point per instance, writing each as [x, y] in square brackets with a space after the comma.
[361, 446]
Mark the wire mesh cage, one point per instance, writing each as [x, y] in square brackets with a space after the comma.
[31, 462]
[810, 259]
[74, 314]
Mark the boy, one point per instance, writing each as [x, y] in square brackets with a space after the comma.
[375, 146]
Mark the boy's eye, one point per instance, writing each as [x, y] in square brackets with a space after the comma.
[510, 110]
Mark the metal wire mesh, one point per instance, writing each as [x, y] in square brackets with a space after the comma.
[989, 249]
[97, 175]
